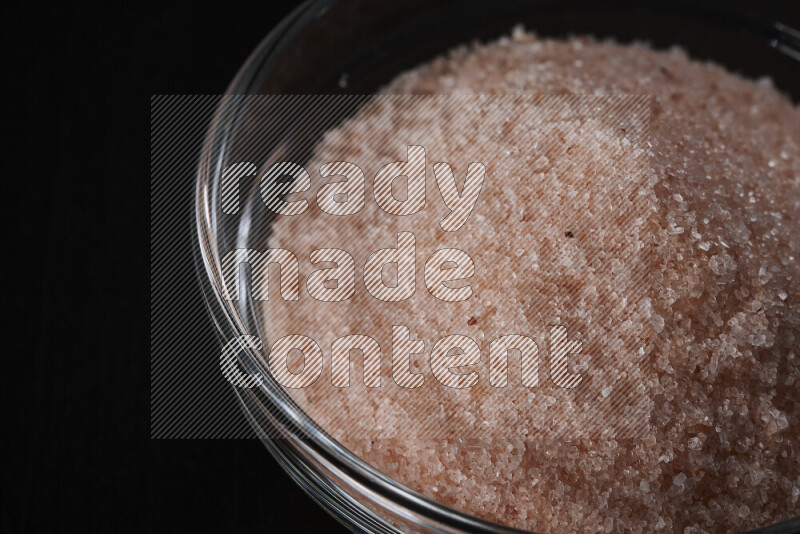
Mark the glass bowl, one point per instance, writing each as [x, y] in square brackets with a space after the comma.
[355, 47]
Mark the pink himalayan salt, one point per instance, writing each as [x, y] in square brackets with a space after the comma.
[721, 322]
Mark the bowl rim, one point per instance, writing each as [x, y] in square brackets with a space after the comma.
[311, 442]
[314, 441]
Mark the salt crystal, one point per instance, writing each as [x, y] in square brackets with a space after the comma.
[658, 322]
[744, 510]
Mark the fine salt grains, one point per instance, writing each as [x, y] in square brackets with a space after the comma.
[719, 327]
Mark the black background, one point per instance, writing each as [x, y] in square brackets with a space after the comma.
[77, 138]
[82, 80]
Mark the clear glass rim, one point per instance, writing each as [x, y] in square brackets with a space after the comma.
[307, 453]
[301, 434]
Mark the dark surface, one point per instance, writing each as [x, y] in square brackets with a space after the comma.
[82, 79]
[87, 463]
